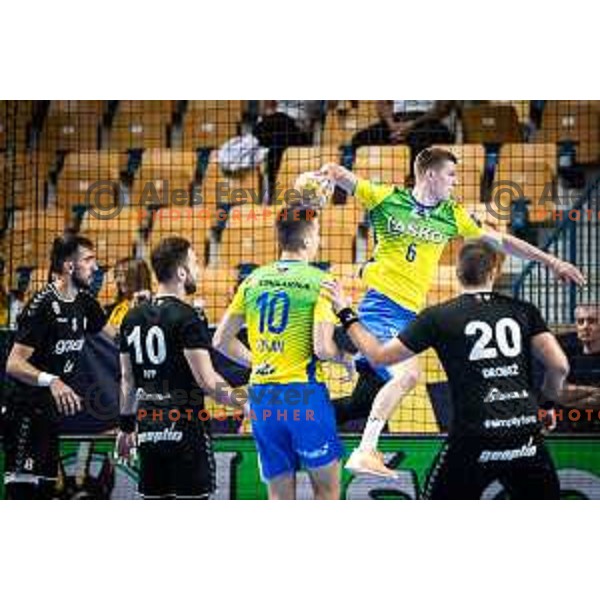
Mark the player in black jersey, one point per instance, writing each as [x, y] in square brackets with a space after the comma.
[50, 336]
[485, 342]
[165, 366]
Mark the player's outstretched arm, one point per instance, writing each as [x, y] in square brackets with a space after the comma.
[389, 353]
[509, 244]
[225, 340]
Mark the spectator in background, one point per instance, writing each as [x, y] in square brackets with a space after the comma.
[583, 351]
[417, 123]
[133, 278]
[285, 123]
[4, 298]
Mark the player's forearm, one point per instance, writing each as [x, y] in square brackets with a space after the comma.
[552, 386]
[127, 399]
[514, 246]
[22, 371]
[237, 352]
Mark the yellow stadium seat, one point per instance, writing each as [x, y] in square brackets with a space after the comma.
[166, 175]
[114, 238]
[250, 236]
[383, 164]
[96, 173]
[491, 123]
[28, 242]
[94, 108]
[141, 124]
[299, 159]
[338, 227]
[210, 123]
[22, 179]
[192, 223]
[216, 288]
[218, 188]
[531, 171]
[70, 132]
[572, 121]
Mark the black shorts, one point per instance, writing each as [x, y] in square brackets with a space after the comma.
[31, 440]
[176, 460]
[462, 472]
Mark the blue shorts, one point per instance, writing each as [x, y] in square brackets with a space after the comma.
[294, 427]
[385, 320]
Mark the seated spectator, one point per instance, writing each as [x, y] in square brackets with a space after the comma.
[285, 123]
[417, 123]
[132, 277]
[582, 348]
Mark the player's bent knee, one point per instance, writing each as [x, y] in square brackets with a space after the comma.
[405, 375]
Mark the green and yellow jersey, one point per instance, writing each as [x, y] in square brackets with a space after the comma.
[280, 303]
[410, 239]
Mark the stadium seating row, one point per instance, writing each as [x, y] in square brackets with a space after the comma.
[82, 125]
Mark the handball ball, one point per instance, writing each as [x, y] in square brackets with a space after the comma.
[316, 190]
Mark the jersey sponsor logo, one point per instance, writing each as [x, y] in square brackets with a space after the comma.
[63, 346]
[166, 435]
[419, 232]
[525, 451]
[495, 395]
[69, 366]
[508, 371]
[143, 395]
[264, 370]
[292, 283]
[317, 453]
[519, 421]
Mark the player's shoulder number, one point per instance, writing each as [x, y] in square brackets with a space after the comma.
[505, 337]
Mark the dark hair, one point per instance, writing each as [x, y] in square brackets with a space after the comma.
[432, 158]
[170, 254]
[65, 248]
[292, 225]
[476, 262]
[137, 276]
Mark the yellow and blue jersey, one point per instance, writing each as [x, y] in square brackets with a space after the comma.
[281, 302]
[410, 239]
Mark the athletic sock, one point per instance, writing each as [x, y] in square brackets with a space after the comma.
[371, 434]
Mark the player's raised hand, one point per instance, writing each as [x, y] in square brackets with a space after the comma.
[67, 401]
[340, 176]
[333, 291]
[125, 448]
[567, 272]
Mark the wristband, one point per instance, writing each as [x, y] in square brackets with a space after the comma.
[347, 317]
[548, 405]
[45, 379]
[127, 423]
